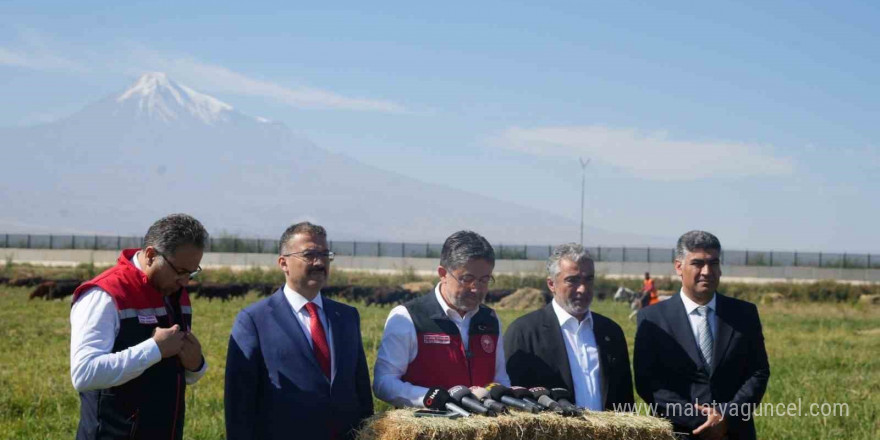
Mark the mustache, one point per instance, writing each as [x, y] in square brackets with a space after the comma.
[317, 269]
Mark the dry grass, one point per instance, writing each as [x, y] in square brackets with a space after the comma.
[403, 425]
[526, 298]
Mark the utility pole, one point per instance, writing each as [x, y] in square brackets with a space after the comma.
[583, 189]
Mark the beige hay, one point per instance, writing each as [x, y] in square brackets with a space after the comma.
[527, 298]
[403, 425]
[418, 286]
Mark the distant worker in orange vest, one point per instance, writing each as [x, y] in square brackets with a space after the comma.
[649, 290]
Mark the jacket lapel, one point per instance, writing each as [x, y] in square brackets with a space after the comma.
[336, 332]
[680, 325]
[557, 346]
[283, 313]
[605, 356]
[725, 331]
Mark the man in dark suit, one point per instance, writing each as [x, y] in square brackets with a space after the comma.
[699, 356]
[566, 345]
[296, 366]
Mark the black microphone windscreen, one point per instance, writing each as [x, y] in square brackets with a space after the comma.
[459, 392]
[560, 393]
[520, 392]
[436, 398]
[540, 391]
[497, 391]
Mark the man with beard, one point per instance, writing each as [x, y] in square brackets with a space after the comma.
[699, 356]
[447, 337]
[566, 345]
[296, 366]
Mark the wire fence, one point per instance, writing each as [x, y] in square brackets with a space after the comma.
[432, 250]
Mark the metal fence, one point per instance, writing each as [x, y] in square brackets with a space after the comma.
[432, 250]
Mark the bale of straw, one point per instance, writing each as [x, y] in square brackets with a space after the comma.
[526, 298]
[403, 425]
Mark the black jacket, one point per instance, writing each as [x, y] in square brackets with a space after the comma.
[670, 371]
[536, 356]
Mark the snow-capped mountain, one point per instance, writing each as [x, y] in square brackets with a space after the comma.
[160, 147]
[155, 96]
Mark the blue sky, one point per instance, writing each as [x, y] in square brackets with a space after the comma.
[755, 121]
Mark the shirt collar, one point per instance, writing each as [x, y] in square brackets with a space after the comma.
[134, 260]
[690, 305]
[298, 301]
[449, 311]
[563, 317]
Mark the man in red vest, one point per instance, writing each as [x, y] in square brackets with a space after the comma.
[447, 337]
[132, 351]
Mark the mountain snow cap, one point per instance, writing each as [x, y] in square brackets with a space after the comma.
[156, 96]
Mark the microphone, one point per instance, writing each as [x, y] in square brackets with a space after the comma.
[503, 394]
[462, 395]
[482, 395]
[527, 396]
[563, 397]
[544, 399]
[438, 398]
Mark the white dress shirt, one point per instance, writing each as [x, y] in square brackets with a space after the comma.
[690, 307]
[583, 358]
[298, 305]
[399, 348]
[94, 324]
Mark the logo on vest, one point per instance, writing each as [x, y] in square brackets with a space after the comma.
[147, 319]
[436, 338]
[487, 343]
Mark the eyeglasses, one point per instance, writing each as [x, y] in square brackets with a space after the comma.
[469, 280]
[182, 273]
[312, 255]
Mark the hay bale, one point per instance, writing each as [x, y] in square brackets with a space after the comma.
[418, 286]
[869, 299]
[403, 425]
[527, 298]
[772, 297]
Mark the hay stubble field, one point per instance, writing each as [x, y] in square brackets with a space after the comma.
[819, 353]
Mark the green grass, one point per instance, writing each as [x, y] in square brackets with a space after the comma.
[819, 353]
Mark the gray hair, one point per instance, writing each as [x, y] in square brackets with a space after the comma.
[306, 228]
[464, 246]
[693, 240]
[174, 231]
[568, 251]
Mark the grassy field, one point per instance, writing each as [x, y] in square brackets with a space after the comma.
[819, 353]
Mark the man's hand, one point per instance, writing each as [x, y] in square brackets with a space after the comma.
[169, 340]
[191, 353]
[715, 427]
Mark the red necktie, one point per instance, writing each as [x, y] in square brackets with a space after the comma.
[319, 339]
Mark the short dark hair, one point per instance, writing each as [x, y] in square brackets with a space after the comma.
[173, 231]
[693, 240]
[300, 228]
[464, 246]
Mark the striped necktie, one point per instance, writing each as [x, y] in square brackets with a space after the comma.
[707, 344]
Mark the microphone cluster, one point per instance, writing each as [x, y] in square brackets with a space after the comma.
[494, 399]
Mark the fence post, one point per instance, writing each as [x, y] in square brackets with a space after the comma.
[29, 241]
[820, 259]
[624, 254]
[771, 258]
[843, 261]
[427, 249]
[869, 255]
[525, 252]
[402, 250]
[7, 244]
[672, 254]
[118, 242]
[599, 253]
[795, 258]
[354, 248]
[96, 241]
[720, 257]
[378, 248]
[649, 254]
